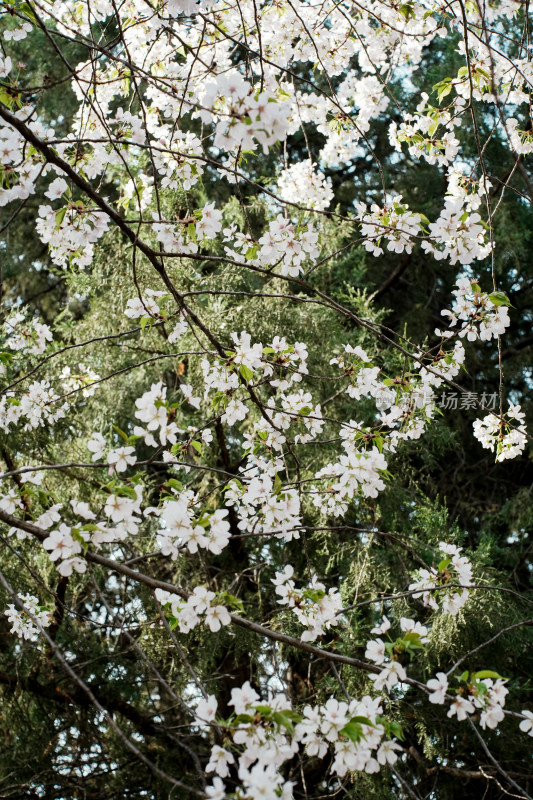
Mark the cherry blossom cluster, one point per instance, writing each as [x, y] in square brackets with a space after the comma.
[294, 411]
[28, 336]
[288, 361]
[14, 500]
[145, 306]
[283, 364]
[314, 607]
[71, 232]
[22, 624]
[178, 162]
[406, 403]
[355, 471]
[20, 171]
[388, 655]
[521, 141]
[201, 604]
[454, 569]
[64, 545]
[482, 692]
[81, 379]
[153, 410]
[506, 437]
[419, 131]
[263, 506]
[393, 223]
[266, 734]
[241, 113]
[285, 246]
[67, 544]
[458, 235]
[180, 530]
[480, 315]
[118, 458]
[38, 406]
[205, 225]
[303, 180]
[445, 365]
[17, 34]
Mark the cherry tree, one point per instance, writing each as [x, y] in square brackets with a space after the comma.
[220, 572]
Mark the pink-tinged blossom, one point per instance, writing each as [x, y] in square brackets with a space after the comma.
[460, 708]
[121, 458]
[526, 725]
[61, 544]
[206, 709]
[438, 687]
[243, 698]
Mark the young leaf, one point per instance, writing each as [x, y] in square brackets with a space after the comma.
[246, 373]
[485, 673]
[499, 299]
[354, 731]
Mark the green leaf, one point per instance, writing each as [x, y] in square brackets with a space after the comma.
[353, 730]
[121, 433]
[294, 716]
[27, 9]
[444, 91]
[396, 729]
[197, 446]
[499, 299]
[485, 673]
[242, 718]
[60, 216]
[315, 595]
[264, 710]
[146, 321]
[76, 535]
[172, 483]
[413, 638]
[246, 373]
[363, 721]
[230, 600]
[407, 12]
[125, 491]
[282, 719]
[444, 564]
[5, 98]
